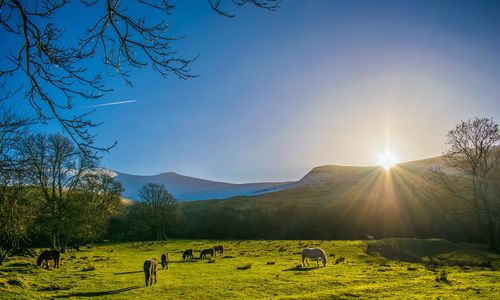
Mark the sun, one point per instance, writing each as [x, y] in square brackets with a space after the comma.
[387, 160]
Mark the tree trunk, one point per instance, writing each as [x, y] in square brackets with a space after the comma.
[492, 243]
[54, 240]
[3, 255]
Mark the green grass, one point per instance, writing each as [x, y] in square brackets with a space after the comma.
[261, 269]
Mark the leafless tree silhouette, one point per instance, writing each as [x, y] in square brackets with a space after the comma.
[473, 176]
[52, 71]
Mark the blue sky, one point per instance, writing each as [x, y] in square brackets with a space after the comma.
[314, 83]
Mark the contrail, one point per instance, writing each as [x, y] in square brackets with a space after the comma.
[112, 103]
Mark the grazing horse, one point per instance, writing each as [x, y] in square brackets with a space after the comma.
[315, 253]
[206, 252]
[48, 255]
[219, 249]
[165, 260]
[150, 266]
[187, 254]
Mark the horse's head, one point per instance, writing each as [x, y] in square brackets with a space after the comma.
[324, 260]
[40, 260]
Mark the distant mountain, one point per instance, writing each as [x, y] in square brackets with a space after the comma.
[186, 188]
[323, 181]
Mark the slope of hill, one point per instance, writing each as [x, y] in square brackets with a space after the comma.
[186, 188]
[330, 202]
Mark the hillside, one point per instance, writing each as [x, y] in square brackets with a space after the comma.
[186, 188]
[331, 184]
[331, 202]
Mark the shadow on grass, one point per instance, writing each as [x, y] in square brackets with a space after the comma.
[21, 270]
[129, 272]
[433, 252]
[102, 293]
[186, 261]
[301, 269]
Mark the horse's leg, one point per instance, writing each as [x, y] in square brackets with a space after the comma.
[317, 261]
[47, 263]
[303, 260]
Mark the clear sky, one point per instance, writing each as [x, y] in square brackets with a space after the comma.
[314, 83]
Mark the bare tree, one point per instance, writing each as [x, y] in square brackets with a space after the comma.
[54, 166]
[472, 179]
[16, 213]
[52, 71]
[156, 208]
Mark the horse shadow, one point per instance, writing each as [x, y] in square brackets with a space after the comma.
[129, 272]
[300, 269]
[101, 293]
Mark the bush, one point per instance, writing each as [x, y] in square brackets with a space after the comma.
[442, 276]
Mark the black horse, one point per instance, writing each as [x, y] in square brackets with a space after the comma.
[49, 255]
[165, 260]
[206, 252]
[219, 249]
[187, 254]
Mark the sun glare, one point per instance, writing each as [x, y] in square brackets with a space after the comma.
[387, 160]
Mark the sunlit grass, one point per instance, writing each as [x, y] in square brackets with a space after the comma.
[255, 269]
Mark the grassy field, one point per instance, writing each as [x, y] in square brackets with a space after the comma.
[397, 268]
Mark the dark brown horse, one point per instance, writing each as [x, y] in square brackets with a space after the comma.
[49, 255]
[187, 254]
[150, 267]
[165, 260]
[206, 252]
[219, 249]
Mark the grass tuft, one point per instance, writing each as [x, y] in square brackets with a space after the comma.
[88, 268]
[15, 282]
[244, 267]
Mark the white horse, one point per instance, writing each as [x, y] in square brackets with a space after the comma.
[315, 253]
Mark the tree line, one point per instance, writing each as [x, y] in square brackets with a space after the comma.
[54, 193]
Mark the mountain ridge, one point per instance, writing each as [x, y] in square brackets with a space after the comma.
[188, 188]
